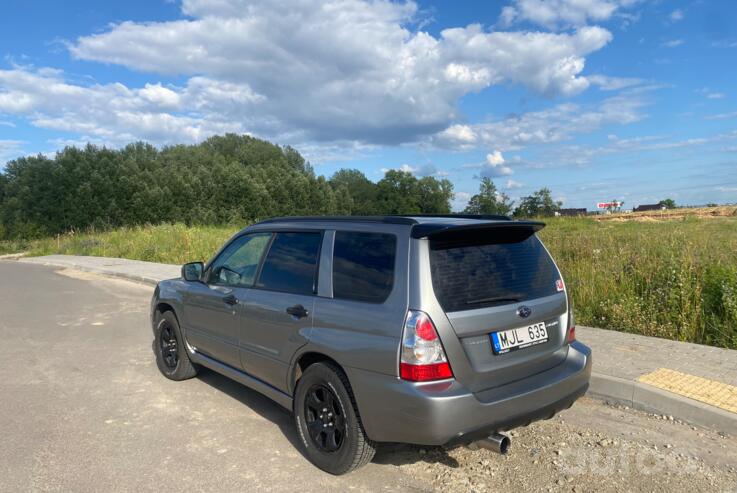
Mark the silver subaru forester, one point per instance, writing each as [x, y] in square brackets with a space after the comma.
[432, 330]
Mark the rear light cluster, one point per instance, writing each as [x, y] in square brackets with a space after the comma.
[423, 357]
[571, 336]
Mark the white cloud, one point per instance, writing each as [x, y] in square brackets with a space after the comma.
[331, 71]
[584, 155]
[710, 94]
[323, 153]
[724, 44]
[547, 126]
[673, 43]
[511, 184]
[726, 189]
[561, 13]
[495, 158]
[607, 83]
[494, 165]
[160, 96]
[421, 170]
[676, 15]
[405, 168]
[460, 200]
[10, 149]
[462, 136]
[115, 113]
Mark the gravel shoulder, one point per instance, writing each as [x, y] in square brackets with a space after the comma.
[592, 446]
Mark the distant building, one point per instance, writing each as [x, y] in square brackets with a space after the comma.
[649, 207]
[571, 212]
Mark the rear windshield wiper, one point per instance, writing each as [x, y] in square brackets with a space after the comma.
[492, 300]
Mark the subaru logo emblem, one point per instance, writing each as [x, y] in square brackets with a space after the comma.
[524, 311]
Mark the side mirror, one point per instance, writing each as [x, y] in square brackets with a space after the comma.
[193, 271]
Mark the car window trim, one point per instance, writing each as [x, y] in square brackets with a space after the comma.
[261, 261]
[315, 278]
[208, 269]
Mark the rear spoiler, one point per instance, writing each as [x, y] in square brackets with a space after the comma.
[493, 232]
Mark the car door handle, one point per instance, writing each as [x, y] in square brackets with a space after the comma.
[297, 311]
[230, 300]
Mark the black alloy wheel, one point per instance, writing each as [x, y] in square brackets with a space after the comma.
[328, 422]
[168, 346]
[324, 419]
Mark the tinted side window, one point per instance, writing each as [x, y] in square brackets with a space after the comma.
[291, 264]
[236, 265]
[363, 265]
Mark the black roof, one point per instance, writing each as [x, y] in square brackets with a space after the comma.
[391, 219]
[425, 225]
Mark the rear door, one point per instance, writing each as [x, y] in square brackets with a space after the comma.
[505, 300]
[278, 310]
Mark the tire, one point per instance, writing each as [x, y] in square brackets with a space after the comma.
[354, 449]
[171, 354]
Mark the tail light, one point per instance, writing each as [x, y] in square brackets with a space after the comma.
[423, 357]
[571, 336]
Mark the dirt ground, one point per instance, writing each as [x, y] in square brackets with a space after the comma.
[670, 214]
[591, 447]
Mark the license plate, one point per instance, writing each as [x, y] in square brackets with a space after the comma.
[519, 338]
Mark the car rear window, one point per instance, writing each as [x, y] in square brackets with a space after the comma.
[291, 263]
[473, 274]
[363, 266]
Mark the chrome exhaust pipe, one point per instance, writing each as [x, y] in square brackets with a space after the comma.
[496, 442]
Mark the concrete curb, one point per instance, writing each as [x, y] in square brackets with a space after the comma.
[151, 281]
[652, 399]
[120, 275]
[605, 387]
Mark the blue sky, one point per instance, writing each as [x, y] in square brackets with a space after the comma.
[633, 100]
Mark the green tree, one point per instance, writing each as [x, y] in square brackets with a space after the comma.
[489, 200]
[400, 192]
[359, 195]
[397, 193]
[540, 203]
[668, 203]
[434, 195]
[227, 179]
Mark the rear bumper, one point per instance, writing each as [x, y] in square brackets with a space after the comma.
[446, 413]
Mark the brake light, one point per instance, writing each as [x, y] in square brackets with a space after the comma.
[423, 357]
[571, 320]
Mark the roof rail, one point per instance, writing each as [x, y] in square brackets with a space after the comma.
[389, 219]
[484, 217]
[370, 219]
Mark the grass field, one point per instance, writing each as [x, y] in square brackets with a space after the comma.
[674, 278]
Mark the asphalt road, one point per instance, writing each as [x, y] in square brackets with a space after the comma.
[83, 408]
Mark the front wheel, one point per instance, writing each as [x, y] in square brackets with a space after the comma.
[328, 421]
[171, 353]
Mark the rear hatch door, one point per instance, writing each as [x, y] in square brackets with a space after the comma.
[504, 298]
